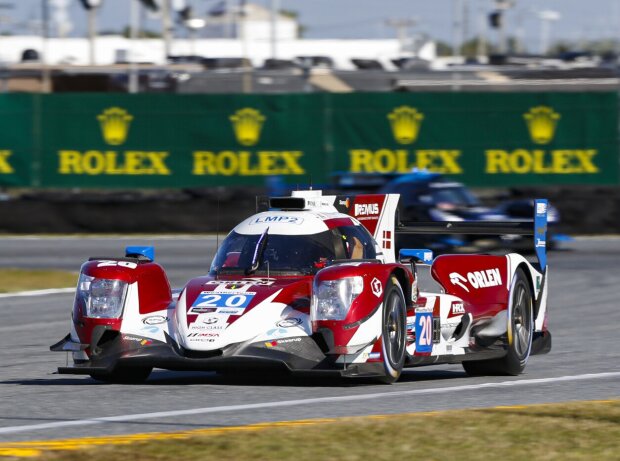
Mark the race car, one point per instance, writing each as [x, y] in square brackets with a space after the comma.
[311, 284]
[426, 196]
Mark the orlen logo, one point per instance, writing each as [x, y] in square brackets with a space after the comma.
[366, 209]
[477, 279]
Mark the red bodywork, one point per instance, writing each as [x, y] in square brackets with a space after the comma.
[153, 291]
[490, 296]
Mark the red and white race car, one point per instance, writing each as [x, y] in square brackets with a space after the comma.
[312, 285]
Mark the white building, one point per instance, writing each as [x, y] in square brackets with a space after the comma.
[253, 23]
[111, 49]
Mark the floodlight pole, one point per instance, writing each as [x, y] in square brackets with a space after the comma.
[45, 33]
[134, 18]
[92, 33]
[275, 7]
[166, 28]
[247, 73]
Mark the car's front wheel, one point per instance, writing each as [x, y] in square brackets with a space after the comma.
[393, 332]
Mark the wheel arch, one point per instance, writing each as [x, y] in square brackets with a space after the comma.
[405, 283]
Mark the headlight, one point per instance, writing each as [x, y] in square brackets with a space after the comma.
[332, 298]
[102, 298]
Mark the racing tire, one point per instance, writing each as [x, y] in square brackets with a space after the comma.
[520, 332]
[124, 375]
[393, 332]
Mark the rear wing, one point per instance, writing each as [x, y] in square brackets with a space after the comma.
[537, 228]
[376, 212]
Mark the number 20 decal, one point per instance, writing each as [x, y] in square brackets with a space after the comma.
[127, 264]
[424, 332]
[230, 300]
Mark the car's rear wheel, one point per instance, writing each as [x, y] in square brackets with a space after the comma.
[520, 332]
[393, 332]
[124, 375]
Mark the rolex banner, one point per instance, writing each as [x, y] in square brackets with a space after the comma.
[483, 139]
[177, 141]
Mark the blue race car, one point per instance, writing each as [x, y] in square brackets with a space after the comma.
[426, 196]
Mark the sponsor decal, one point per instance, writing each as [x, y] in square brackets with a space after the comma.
[541, 208]
[377, 287]
[277, 220]
[228, 311]
[344, 202]
[142, 341]
[540, 243]
[211, 320]
[154, 320]
[288, 323]
[456, 309]
[366, 209]
[203, 335]
[258, 281]
[127, 264]
[279, 342]
[477, 279]
[202, 310]
[199, 327]
[374, 355]
[458, 279]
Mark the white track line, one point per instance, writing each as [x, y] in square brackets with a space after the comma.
[288, 403]
[51, 291]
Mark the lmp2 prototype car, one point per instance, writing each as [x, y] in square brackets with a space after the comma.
[312, 285]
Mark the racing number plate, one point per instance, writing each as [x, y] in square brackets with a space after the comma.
[230, 302]
[424, 332]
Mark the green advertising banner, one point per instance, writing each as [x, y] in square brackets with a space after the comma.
[177, 141]
[484, 139]
[16, 140]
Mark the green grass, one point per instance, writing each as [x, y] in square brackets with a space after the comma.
[571, 431]
[12, 280]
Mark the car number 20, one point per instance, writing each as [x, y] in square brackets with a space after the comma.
[240, 300]
[424, 332]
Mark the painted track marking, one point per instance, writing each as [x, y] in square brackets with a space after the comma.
[289, 403]
[51, 291]
[36, 448]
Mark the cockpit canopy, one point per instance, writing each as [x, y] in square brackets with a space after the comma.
[299, 254]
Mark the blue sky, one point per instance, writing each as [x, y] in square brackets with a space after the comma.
[581, 20]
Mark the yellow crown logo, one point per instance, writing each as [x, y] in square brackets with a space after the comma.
[405, 123]
[541, 122]
[247, 124]
[114, 123]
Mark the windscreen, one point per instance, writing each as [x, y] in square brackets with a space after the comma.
[283, 254]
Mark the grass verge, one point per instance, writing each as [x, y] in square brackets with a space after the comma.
[569, 431]
[12, 280]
